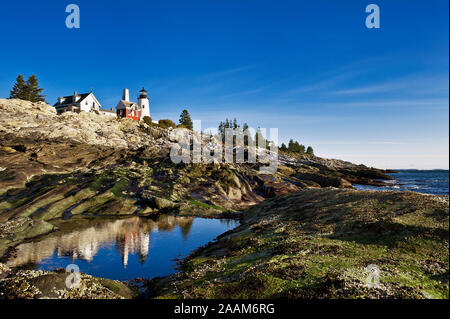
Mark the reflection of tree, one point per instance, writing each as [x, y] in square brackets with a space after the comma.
[185, 226]
[229, 222]
[166, 222]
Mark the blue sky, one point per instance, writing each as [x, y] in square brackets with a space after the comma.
[309, 68]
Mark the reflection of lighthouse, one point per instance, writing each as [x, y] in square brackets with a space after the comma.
[144, 239]
[132, 243]
[125, 253]
[89, 250]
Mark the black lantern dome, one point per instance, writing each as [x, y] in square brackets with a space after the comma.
[143, 94]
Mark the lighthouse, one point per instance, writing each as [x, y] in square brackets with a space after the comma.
[144, 103]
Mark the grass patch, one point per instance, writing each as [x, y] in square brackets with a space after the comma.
[201, 204]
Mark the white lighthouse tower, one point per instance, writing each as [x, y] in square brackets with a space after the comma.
[144, 103]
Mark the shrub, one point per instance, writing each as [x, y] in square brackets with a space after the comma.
[166, 123]
[148, 120]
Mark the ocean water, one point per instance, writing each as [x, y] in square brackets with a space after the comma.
[421, 181]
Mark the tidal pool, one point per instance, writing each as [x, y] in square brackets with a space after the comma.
[122, 249]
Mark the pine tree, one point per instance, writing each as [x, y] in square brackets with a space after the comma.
[247, 138]
[295, 147]
[19, 89]
[310, 150]
[235, 125]
[291, 146]
[33, 91]
[301, 148]
[185, 119]
[259, 138]
[283, 147]
[221, 128]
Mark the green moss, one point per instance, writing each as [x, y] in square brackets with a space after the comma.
[117, 287]
[91, 203]
[29, 197]
[4, 205]
[201, 204]
[119, 187]
[56, 209]
[322, 250]
[101, 182]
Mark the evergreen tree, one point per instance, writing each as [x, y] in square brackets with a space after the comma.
[235, 125]
[295, 147]
[33, 91]
[310, 150]
[19, 90]
[291, 146]
[301, 148]
[259, 138]
[185, 119]
[227, 123]
[222, 128]
[283, 147]
[247, 137]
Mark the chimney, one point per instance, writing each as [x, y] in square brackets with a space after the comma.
[126, 95]
[75, 96]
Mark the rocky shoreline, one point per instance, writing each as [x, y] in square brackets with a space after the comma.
[38, 284]
[317, 243]
[55, 168]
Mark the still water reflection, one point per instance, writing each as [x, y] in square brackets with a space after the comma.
[123, 249]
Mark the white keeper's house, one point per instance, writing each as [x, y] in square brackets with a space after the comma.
[85, 102]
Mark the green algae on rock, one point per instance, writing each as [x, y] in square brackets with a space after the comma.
[19, 229]
[38, 284]
[316, 243]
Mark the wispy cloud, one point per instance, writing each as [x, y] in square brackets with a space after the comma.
[324, 84]
[429, 103]
[246, 92]
[223, 73]
[334, 78]
[358, 143]
[436, 103]
[416, 84]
